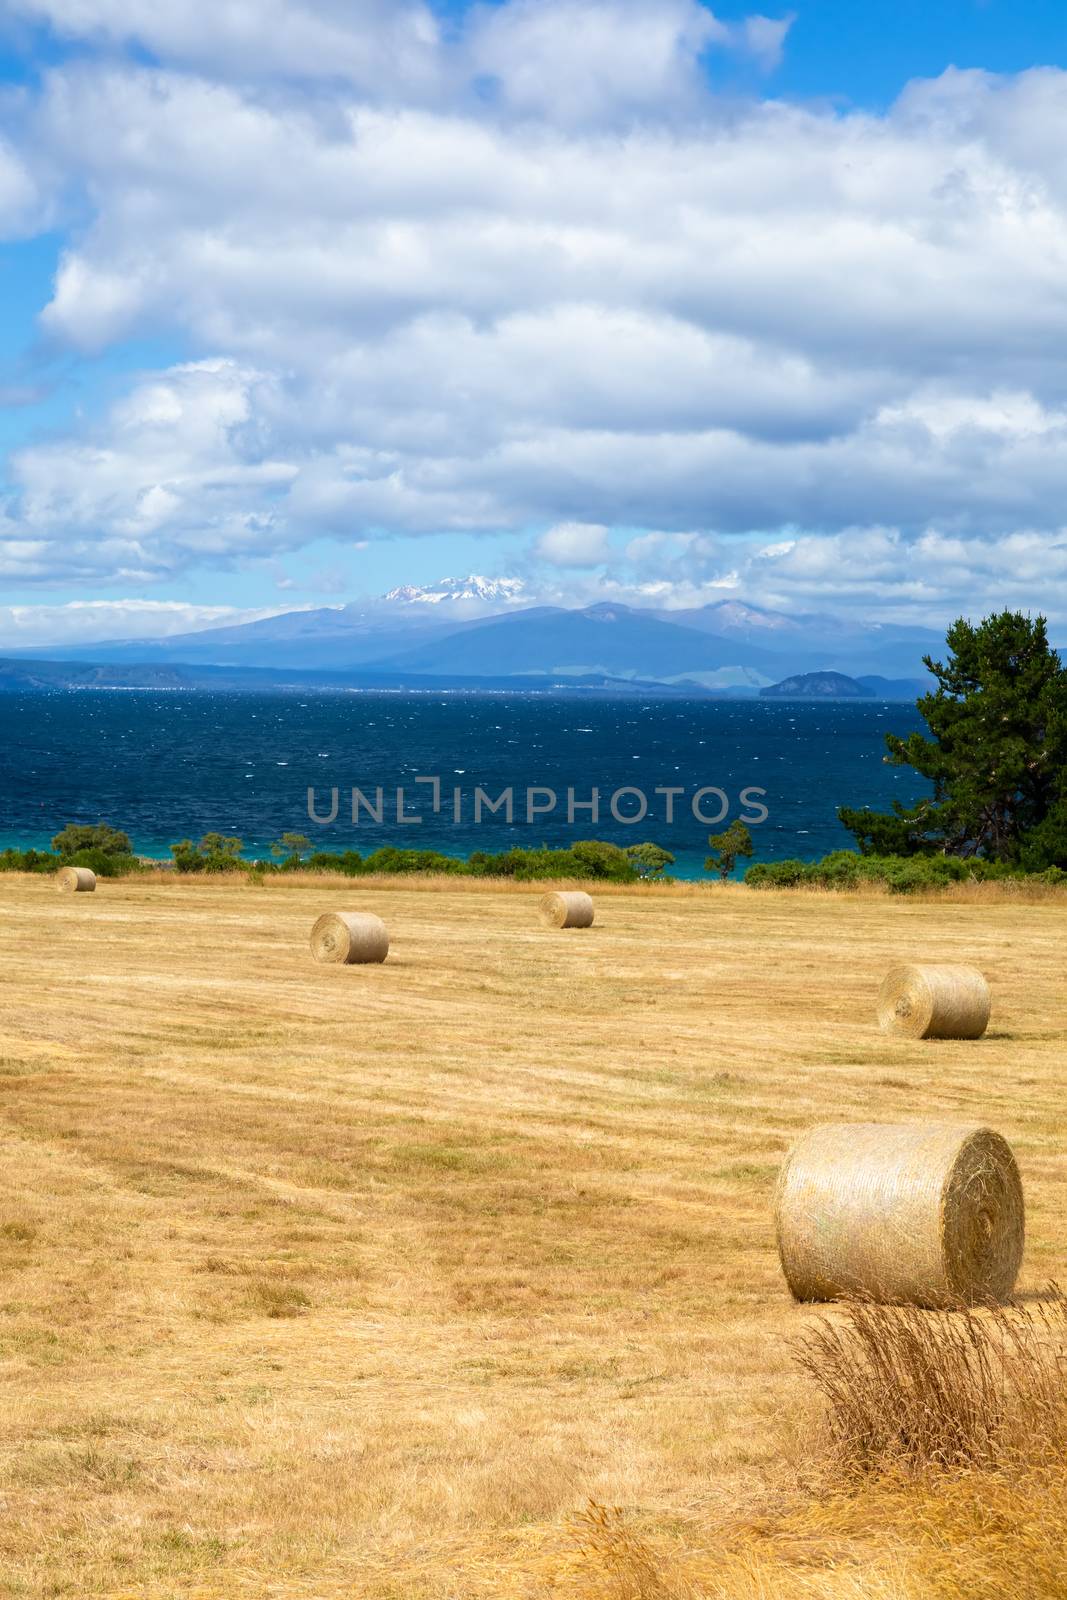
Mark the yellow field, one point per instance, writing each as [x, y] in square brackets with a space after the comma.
[361, 1281]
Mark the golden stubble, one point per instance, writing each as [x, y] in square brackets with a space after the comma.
[323, 1281]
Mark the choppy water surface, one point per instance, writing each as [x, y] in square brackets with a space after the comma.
[167, 766]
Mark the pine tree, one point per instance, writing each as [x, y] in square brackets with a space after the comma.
[726, 847]
[997, 758]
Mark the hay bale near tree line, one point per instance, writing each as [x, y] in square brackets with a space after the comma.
[934, 1002]
[570, 909]
[349, 937]
[75, 880]
[924, 1214]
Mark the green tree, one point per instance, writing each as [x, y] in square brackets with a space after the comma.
[187, 857]
[293, 845]
[222, 844]
[649, 860]
[997, 756]
[96, 836]
[726, 847]
[598, 858]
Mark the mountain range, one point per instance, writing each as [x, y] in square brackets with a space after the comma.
[475, 629]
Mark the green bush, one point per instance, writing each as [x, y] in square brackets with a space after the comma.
[28, 861]
[350, 863]
[77, 837]
[844, 869]
[777, 874]
[388, 859]
[586, 859]
[105, 850]
[214, 853]
[102, 862]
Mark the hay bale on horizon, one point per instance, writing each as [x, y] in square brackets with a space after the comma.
[76, 880]
[934, 1002]
[349, 937]
[924, 1214]
[572, 908]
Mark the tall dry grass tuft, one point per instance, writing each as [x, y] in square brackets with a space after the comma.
[612, 1562]
[908, 1390]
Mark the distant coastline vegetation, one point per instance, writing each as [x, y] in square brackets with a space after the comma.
[996, 762]
[109, 852]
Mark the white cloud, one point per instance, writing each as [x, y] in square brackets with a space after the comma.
[878, 572]
[85, 621]
[765, 38]
[579, 61]
[374, 44]
[574, 544]
[926, 579]
[181, 469]
[593, 298]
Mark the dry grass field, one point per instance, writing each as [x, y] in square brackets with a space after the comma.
[323, 1282]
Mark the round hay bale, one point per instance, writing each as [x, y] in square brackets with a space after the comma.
[571, 909]
[349, 937]
[75, 880]
[934, 1002]
[924, 1214]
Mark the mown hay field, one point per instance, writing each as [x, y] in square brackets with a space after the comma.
[324, 1281]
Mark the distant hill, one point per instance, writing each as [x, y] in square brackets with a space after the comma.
[611, 639]
[332, 639]
[895, 688]
[734, 619]
[22, 676]
[481, 627]
[328, 638]
[851, 645]
[817, 686]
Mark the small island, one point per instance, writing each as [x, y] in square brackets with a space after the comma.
[817, 686]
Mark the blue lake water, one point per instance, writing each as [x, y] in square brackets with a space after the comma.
[167, 766]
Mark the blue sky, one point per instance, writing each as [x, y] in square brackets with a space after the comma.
[635, 298]
[855, 54]
[862, 54]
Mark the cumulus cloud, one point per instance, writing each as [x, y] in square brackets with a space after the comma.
[527, 274]
[180, 469]
[374, 44]
[873, 572]
[927, 578]
[86, 621]
[577, 61]
[574, 544]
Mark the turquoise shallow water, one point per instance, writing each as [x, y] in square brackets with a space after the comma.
[167, 766]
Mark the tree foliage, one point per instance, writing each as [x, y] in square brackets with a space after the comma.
[996, 759]
[216, 852]
[726, 847]
[648, 860]
[291, 846]
[77, 836]
[846, 869]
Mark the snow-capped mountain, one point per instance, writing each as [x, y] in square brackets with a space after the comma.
[451, 591]
[736, 619]
[473, 627]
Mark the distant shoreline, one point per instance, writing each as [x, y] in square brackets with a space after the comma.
[30, 676]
